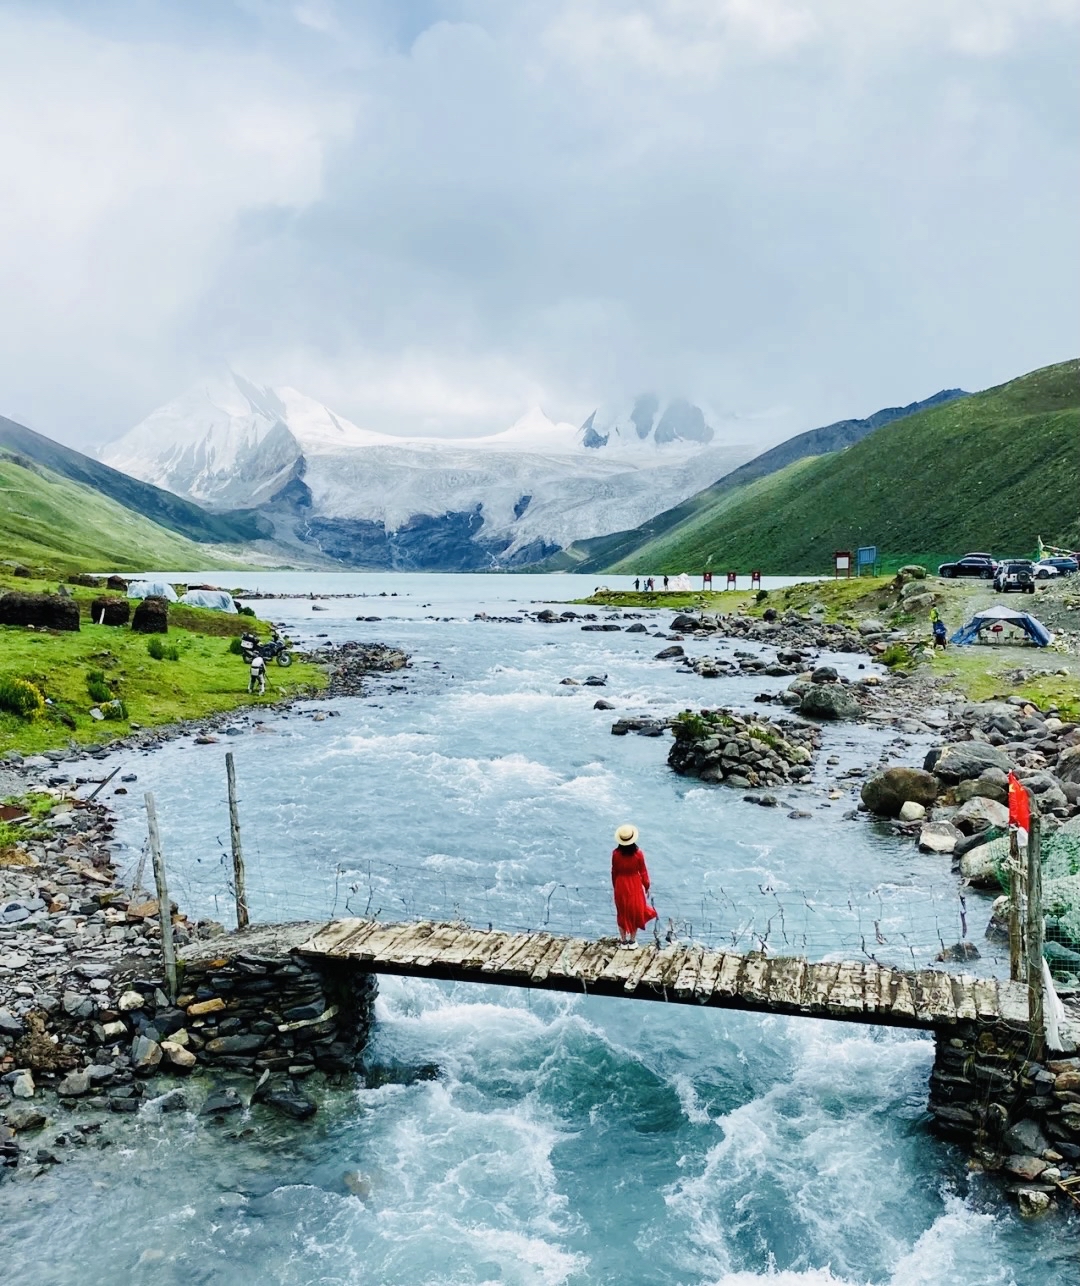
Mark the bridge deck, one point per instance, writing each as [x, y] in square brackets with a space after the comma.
[859, 991]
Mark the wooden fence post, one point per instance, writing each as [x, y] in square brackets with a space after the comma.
[1034, 945]
[168, 950]
[1016, 897]
[239, 884]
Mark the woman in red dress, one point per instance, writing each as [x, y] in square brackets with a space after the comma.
[630, 880]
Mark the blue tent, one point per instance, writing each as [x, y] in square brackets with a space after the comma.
[1000, 615]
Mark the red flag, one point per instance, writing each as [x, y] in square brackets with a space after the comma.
[1019, 805]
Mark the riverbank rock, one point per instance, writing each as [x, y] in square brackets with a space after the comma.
[938, 837]
[43, 611]
[886, 792]
[151, 616]
[829, 701]
[966, 759]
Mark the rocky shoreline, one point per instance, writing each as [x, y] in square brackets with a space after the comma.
[85, 1024]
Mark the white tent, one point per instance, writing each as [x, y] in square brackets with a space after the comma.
[680, 584]
[217, 600]
[151, 589]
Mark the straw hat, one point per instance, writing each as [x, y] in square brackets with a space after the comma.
[626, 835]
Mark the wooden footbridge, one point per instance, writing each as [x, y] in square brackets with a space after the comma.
[857, 991]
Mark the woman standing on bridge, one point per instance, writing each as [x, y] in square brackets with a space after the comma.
[630, 880]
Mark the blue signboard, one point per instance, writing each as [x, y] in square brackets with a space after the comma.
[866, 557]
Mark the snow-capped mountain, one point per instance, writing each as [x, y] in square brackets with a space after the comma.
[374, 499]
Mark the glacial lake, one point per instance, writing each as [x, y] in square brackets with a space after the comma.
[565, 1139]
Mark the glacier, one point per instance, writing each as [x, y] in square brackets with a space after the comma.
[371, 499]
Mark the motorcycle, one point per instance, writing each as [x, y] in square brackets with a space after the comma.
[274, 650]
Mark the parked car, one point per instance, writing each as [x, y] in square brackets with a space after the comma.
[1046, 567]
[982, 565]
[1015, 574]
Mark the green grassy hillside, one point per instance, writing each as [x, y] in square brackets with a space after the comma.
[602, 552]
[161, 507]
[47, 520]
[993, 471]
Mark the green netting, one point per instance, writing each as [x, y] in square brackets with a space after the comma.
[1061, 895]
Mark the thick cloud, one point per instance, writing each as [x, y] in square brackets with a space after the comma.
[435, 214]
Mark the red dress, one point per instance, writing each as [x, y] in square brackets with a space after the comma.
[630, 880]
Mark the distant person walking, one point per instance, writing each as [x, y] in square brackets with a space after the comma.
[637, 584]
[938, 626]
[665, 582]
[257, 674]
[630, 883]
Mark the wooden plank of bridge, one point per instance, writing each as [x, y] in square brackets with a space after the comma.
[383, 949]
[707, 978]
[508, 944]
[846, 993]
[550, 958]
[641, 965]
[431, 947]
[622, 965]
[687, 977]
[331, 937]
[1013, 1003]
[407, 948]
[787, 979]
[526, 960]
[964, 996]
[820, 979]
[566, 965]
[589, 963]
[932, 990]
[369, 943]
[513, 943]
[754, 983]
[661, 966]
[871, 986]
[727, 980]
[986, 998]
[903, 1003]
[467, 951]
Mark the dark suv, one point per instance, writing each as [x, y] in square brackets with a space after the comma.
[970, 565]
[1016, 574]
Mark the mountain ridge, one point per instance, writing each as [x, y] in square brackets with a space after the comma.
[993, 470]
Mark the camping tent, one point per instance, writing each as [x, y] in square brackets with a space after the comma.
[151, 589]
[215, 599]
[1001, 615]
[680, 584]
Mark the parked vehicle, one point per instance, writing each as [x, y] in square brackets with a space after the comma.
[1015, 574]
[274, 650]
[981, 565]
[1047, 567]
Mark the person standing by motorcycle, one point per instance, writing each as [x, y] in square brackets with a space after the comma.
[257, 674]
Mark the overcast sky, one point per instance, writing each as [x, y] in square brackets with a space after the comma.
[432, 214]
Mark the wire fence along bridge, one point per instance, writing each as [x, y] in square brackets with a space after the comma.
[856, 991]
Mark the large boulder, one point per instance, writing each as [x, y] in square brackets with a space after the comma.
[887, 792]
[980, 866]
[106, 610]
[151, 617]
[683, 624]
[979, 814]
[938, 837]
[1068, 765]
[970, 759]
[918, 603]
[829, 701]
[991, 784]
[45, 611]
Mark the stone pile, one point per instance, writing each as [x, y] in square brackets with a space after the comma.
[723, 746]
[84, 1016]
[349, 663]
[1018, 1116]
